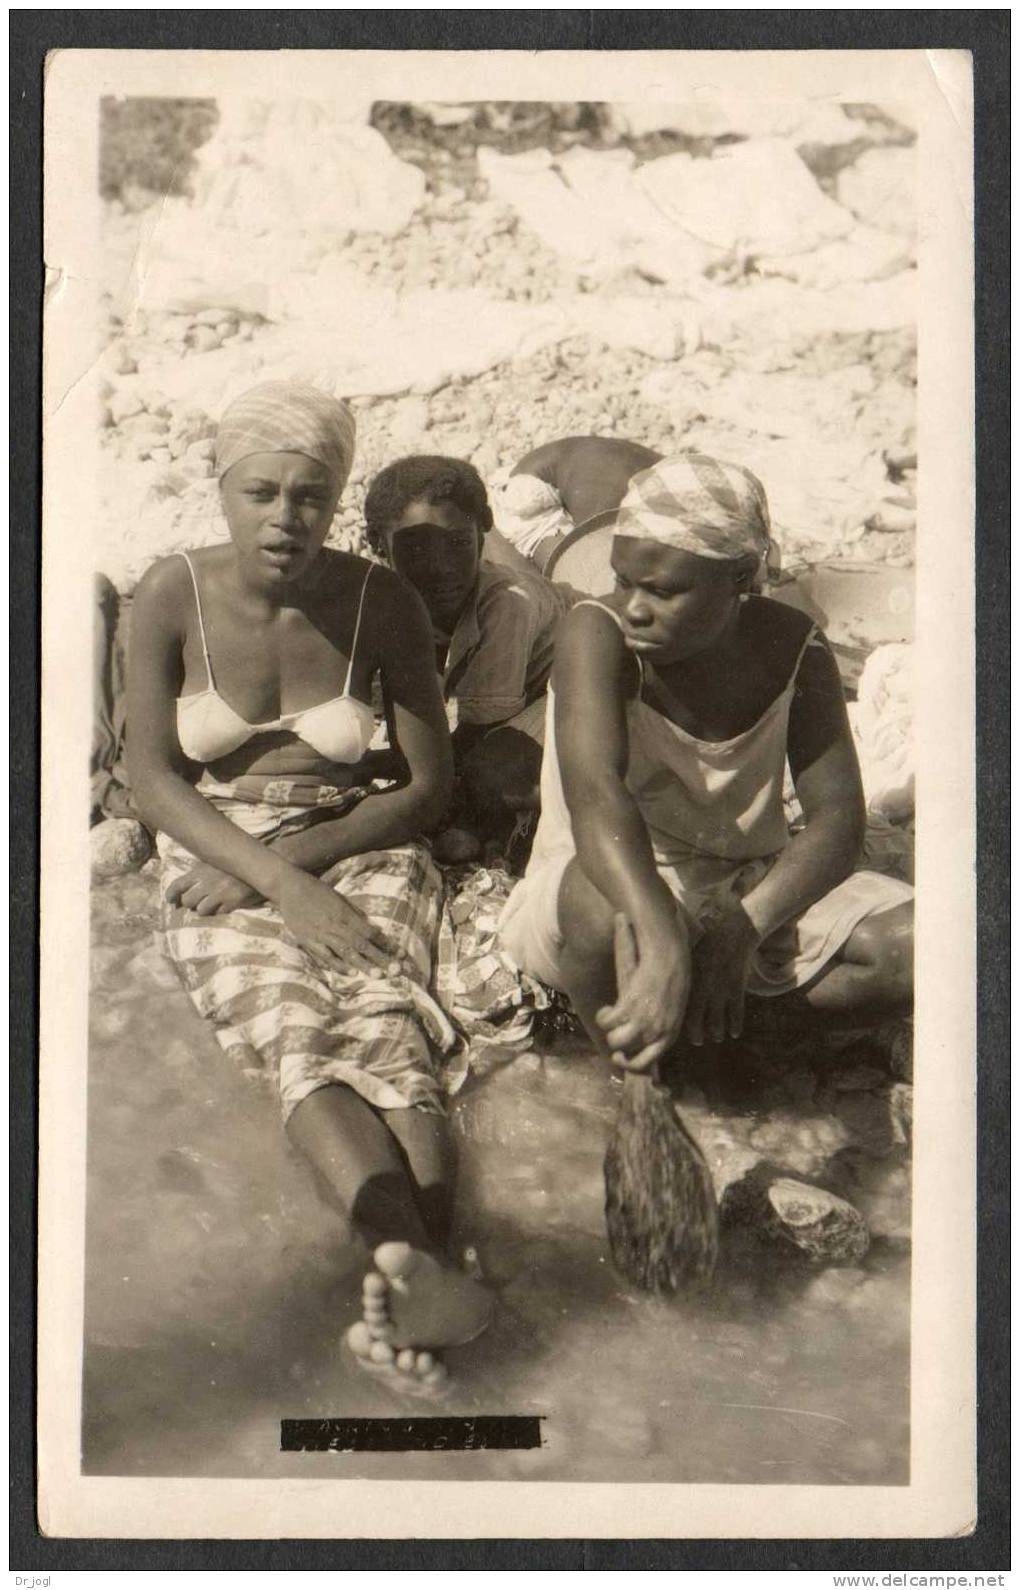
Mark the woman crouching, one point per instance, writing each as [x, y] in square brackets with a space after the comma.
[300, 906]
[676, 703]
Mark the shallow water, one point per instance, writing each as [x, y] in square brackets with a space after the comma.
[219, 1287]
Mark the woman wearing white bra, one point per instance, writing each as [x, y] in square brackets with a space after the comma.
[300, 905]
[675, 706]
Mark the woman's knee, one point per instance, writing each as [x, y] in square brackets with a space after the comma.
[885, 943]
[587, 919]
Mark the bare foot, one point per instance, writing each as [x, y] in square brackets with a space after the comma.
[412, 1305]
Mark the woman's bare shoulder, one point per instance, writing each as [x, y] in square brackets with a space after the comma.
[777, 627]
[590, 639]
[394, 614]
[165, 583]
[594, 617]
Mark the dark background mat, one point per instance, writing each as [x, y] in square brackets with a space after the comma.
[986, 34]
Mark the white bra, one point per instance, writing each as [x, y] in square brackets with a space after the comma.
[340, 729]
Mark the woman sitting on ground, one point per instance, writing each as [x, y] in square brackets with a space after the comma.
[675, 704]
[300, 905]
[494, 631]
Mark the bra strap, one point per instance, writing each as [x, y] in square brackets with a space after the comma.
[814, 637]
[357, 627]
[201, 621]
[593, 601]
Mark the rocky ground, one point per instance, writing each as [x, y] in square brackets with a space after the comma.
[214, 1229]
[812, 386]
[219, 1286]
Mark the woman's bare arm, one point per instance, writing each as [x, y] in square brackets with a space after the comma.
[828, 783]
[593, 676]
[415, 707]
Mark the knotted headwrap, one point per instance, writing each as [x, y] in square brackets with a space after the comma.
[701, 505]
[287, 417]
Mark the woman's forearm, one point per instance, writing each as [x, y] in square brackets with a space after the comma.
[615, 854]
[169, 804]
[391, 817]
[815, 861]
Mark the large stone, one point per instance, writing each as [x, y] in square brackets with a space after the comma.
[117, 846]
[776, 1208]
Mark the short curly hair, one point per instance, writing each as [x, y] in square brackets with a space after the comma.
[424, 477]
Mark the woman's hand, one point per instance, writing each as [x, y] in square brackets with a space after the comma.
[209, 892]
[721, 966]
[332, 930]
[652, 984]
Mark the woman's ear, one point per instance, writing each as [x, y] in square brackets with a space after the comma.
[377, 544]
[744, 575]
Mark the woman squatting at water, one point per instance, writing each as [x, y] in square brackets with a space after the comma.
[675, 705]
[300, 905]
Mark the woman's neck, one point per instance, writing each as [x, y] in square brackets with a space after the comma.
[709, 665]
[269, 595]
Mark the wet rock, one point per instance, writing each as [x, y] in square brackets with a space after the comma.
[901, 1110]
[108, 1020]
[150, 969]
[105, 962]
[835, 1287]
[622, 1429]
[898, 1038]
[826, 1229]
[857, 1079]
[866, 1118]
[804, 1143]
[117, 846]
[882, 1191]
[727, 1157]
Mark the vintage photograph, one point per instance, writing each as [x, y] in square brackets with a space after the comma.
[502, 786]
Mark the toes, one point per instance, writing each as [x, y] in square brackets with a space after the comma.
[423, 1363]
[376, 1315]
[395, 1259]
[405, 1360]
[381, 1353]
[359, 1340]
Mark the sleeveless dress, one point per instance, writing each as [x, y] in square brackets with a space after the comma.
[715, 819]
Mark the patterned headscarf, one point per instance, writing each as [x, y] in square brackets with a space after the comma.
[698, 504]
[287, 417]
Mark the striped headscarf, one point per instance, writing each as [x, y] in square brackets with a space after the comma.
[698, 504]
[287, 417]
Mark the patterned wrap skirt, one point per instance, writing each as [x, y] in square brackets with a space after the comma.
[288, 1020]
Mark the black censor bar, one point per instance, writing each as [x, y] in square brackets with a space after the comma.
[484, 1433]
